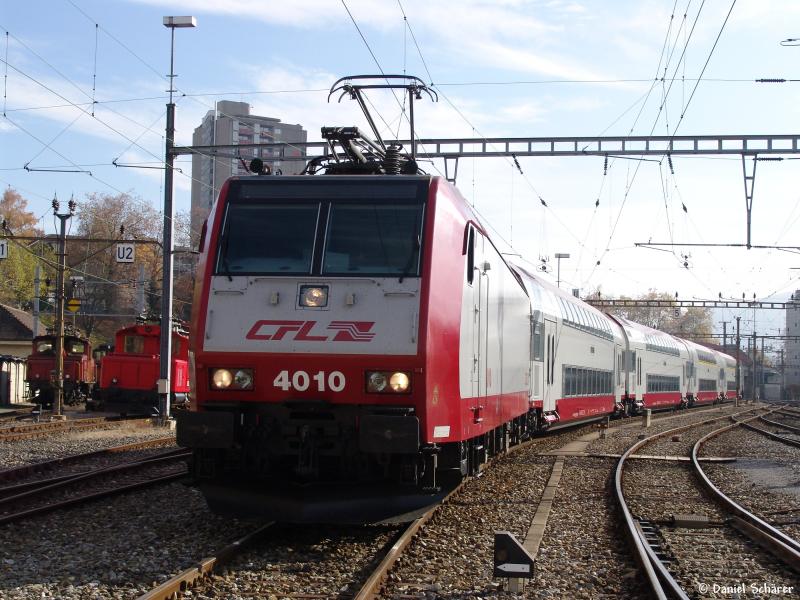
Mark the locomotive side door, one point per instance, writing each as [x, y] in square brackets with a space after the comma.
[478, 294]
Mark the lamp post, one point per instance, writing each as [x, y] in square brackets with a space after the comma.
[559, 256]
[169, 212]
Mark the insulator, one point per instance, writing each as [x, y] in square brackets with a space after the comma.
[391, 162]
[605, 165]
[770, 80]
[669, 162]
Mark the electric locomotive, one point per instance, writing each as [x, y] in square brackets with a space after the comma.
[129, 372]
[79, 369]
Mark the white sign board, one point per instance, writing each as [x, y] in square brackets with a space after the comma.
[3, 249]
[125, 253]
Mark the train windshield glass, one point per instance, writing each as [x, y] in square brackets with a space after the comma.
[268, 239]
[323, 226]
[375, 239]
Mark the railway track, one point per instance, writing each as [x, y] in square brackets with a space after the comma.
[217, 575]
[689, 538]
[40, 495]
[16, 432]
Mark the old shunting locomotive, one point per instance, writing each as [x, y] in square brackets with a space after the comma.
[129, 373]
[79, 369]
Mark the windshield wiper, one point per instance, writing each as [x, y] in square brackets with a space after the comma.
[415, 246]
[225, 265]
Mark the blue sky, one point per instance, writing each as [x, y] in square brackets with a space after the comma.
[501, 67]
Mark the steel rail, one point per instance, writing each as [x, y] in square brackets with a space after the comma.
[774, 436]
[93, 496]
[33, 488]
[778, 424]
[784, 547]
[655, 572]
[17, 472]
[171, 588]
[42, 429]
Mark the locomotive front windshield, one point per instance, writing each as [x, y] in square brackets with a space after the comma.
[332, 230]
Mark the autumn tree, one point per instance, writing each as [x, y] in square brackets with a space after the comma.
[690, 322]
[110, 287]
[16, 216]
[17, 271]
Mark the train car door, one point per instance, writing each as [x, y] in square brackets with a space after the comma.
[537, 355]
[550, 393]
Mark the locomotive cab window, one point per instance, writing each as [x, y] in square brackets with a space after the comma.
[134, 344]
[268, 239]
[284, 228]
[375, 239]
[43, 347]
[76, 347]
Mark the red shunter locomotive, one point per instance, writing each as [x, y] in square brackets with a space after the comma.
[79, 370]
[129, 373]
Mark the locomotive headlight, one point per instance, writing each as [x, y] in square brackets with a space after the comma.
[376, 381]
[221, 378]
[232, 379]
[314, 296]
[66, 376]
[243, 379]
[399, 382]
[388, 382]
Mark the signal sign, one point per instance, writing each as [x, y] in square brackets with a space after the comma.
[3, 249]
[125, 253]
[74, 304]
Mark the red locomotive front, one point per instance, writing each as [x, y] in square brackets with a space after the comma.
[327, 333]
[79, 370]
[129, 374]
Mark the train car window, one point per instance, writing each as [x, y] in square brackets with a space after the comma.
[375, 239]
[134, 344]
[268, 239]
[537, 337]
[569, 381]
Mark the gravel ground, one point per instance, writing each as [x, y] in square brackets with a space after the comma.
[30, 451]
[321, 562]
[452, 557]
[141, 539]
[116, 548]
[708, 560]
[765, 479]
[583, 554]
[621, 438]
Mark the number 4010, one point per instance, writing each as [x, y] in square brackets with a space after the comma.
[301, 381]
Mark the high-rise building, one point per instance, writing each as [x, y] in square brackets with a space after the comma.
[232, 123]
[792, 357]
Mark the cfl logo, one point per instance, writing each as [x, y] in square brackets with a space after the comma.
[301, 331]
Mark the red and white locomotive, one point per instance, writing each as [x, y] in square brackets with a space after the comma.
[361, 327]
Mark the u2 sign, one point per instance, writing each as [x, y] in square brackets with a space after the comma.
[125, 253]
